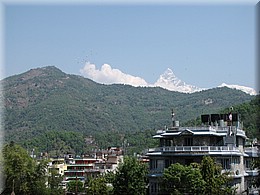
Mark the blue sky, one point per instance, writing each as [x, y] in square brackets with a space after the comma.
[205, 45]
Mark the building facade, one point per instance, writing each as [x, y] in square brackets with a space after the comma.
[81, 168]
[91, 165]
[220, 136]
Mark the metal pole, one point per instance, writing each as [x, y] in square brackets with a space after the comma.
[13, 189]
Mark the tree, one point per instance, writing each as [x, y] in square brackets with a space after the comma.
[97, 186]
[215, 182]
[75, 186]
[130, 177]
[22, 172]
[203, 178]
[54, 180]
[181, 179]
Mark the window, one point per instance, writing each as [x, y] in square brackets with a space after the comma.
[168, 162]
[153, 164]
[154, 187]
[156, 164]
[160, 164]
[248, 164]
[225, 163]
[188, 161]
[188, 141]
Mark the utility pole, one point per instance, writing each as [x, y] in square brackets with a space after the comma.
[76, 184]
[13, 189]
[173, 119]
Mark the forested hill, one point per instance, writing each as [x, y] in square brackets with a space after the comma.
[46, 102]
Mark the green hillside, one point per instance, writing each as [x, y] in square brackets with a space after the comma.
[56, 112]
[250, 116]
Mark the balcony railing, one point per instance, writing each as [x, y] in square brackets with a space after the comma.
[195, 149]
[252, 172]
[252, 151]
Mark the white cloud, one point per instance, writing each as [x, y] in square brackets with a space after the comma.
[108, 75]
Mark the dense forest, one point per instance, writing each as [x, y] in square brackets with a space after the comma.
[49, 110]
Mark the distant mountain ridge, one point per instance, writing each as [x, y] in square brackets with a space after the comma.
[46, 99]
[168, 80]
[247, 90]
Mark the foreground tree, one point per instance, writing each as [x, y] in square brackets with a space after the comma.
[203, 178]
[98, 186]
[23, 175]
[180, 179]
[75, 186]
[130, 177]
[54, 180]
[215, 182]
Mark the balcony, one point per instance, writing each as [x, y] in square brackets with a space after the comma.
[81, 165]
[81, 170]
[252, 151]
[155, 173]
[252, 172]
[195, 149]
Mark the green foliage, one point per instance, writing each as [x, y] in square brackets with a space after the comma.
[25, 173]
[75, 186]
[249, 115]
[215, 182]
[57, 143]
[132, 142]
[54, 180]
[98, 186]
[203, 178]
[130, 177]
[212, 176]
[180, 179]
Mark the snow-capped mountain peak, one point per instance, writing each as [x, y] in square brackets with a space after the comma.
[169, 81]
[247, 90]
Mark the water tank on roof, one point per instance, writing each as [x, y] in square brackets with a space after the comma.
[205, 118]
[221, 123]
[235, 117]
[214, 117]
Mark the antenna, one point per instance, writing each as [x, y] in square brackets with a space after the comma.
[173, 119]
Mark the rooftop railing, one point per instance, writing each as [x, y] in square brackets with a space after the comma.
[215, 129]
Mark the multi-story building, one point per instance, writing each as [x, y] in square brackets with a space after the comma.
[92, 165]
[220, 136]
[108, 160]
[81, 168]
[58, 164]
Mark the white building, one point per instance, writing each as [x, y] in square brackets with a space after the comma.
[220, 136]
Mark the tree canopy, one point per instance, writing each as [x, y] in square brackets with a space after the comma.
[98, 186]
[130, 177]
[21, 172]
[180, 179]
[203, 178]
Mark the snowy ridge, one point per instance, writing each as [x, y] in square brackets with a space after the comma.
[170, 82]
[108, 75]
[247, 90]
